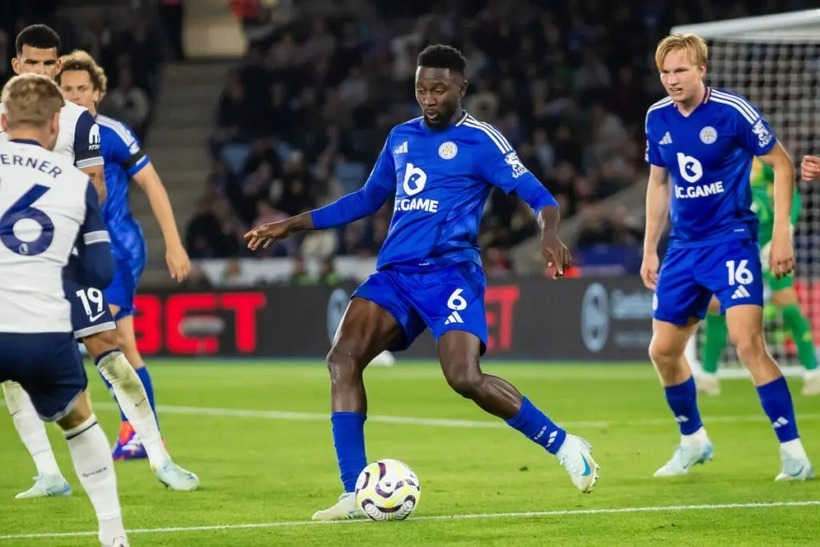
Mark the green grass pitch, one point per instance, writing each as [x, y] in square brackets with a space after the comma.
[258, 434]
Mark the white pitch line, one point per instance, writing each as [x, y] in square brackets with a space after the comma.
[474, 516]
[432, 422]
[435, 422]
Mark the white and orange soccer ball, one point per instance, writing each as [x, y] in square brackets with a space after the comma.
[387, 490]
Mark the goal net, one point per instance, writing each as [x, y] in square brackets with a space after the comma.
[774, 61]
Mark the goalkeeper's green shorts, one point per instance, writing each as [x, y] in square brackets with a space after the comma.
[776, 284]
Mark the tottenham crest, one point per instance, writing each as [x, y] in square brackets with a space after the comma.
[708, 135]
[448, 150]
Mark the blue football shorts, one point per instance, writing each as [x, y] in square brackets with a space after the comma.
[444, 299]
[130, 252]
[688, 278]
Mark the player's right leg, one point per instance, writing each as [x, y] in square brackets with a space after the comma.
[679, 302]
[32, 431]
[714, 342]
[49, 368]
[367, 328]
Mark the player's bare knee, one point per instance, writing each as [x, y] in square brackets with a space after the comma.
[664, 353]
[343, 365]
[464, 380]
[749, 346]
[101, 342]
[78, 414]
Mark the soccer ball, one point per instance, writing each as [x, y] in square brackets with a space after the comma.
[387, 490]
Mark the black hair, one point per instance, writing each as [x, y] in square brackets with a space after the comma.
[37, 36]
[443, 56]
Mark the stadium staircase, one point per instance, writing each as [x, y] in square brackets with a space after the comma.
[183, 120]
[177, 144]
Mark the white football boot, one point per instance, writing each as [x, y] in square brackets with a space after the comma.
[684, 458]
[177, 478]
[794, 469]
[46, 486]
[576, 457]
[343, 509]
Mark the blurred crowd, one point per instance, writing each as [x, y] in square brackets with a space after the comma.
[305, 112]
[304, 115]
[127, 40]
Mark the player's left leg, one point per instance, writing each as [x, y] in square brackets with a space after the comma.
[784, 297]
[95, 469]
[741, 296]
[120, 296]
[131, 396]
[451, 303]
[746, 332]
[459, 352]
[32, 431]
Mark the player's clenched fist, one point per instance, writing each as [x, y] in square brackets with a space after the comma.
[810, 168]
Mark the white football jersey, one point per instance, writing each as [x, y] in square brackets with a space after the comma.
[43, 205]
[78, 138]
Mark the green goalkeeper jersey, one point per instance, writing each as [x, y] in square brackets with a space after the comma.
[762, 180]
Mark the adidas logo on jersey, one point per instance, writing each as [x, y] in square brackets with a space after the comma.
[667, 139]
[741, 292]
[400, 149]
[454, 317]
[780, 422]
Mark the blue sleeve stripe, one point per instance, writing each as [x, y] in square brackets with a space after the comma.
[89, 162]
[100, 236]
[739, 104]
[501, 143]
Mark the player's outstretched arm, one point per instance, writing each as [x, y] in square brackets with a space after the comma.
[359, 204]
[657, 211]
[781, 257]
[179, 265]
[266, 234]
[810, 168]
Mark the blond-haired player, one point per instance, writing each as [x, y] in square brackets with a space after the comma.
[700, 145]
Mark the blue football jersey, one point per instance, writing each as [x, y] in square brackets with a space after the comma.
[709, 156]
[441, 180]
[123, 159]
